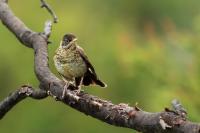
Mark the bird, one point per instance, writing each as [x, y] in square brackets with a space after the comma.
[73, 65]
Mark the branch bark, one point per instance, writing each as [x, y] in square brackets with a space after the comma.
[121, 115]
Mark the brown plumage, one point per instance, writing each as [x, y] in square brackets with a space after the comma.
[73, 65]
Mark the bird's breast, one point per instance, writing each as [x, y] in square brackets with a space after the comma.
[70, 64]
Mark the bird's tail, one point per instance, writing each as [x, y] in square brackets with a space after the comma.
[92, 79]
[100, 83]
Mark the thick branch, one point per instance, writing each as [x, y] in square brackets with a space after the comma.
[119, 115]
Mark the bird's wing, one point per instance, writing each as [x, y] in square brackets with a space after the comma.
[85, 58]
[90, 76]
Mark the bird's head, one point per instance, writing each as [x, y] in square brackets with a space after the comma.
[68, 40]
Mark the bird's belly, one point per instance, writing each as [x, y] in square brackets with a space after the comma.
[75, 69]
[71, 70]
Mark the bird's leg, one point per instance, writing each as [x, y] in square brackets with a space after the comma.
[65, 89]
[79, 85]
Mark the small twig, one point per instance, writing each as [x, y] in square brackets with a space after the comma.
[49, 9]
[177, 106]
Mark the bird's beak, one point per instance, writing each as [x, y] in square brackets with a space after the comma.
[74, 40]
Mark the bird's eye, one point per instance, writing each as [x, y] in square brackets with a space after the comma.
[66, 41]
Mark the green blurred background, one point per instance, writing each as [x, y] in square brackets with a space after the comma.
[146, 51]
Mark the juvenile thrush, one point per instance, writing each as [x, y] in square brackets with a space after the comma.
[73, 65]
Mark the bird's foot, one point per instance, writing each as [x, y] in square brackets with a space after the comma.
[78, 90]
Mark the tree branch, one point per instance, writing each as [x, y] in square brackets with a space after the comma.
[19, 95]
[122, 115]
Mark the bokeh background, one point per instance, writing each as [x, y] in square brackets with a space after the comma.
[146, 51]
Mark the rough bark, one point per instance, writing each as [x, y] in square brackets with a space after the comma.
[122, 115]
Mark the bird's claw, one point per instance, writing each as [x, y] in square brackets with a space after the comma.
[78, 90]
